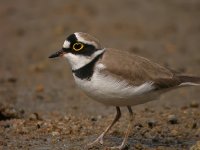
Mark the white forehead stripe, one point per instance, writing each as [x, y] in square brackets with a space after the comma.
[66, 44]
[81, 39]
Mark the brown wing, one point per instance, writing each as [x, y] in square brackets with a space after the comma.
[136, 69]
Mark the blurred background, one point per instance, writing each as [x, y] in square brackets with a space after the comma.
[167, 32]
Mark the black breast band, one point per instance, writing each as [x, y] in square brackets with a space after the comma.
[87, 71]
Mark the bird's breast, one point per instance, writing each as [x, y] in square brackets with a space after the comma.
[107, 89]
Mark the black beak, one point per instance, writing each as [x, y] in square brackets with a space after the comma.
[57, 54]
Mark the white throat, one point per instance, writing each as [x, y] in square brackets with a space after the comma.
[78, 61]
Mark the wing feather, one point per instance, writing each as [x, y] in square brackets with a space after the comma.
[135, 69]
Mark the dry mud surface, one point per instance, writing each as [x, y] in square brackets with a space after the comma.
[42, 109]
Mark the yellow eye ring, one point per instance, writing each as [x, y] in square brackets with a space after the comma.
[78, 46]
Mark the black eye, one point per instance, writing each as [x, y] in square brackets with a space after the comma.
[78, 46]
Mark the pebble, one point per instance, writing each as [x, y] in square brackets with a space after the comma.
[67, 118]
[138, 126]
[174, 132]
[39, 96]
[34, 116]
[39, 88]
[6, 126]
[138, 146]
[184, 107]
[99, 117]
[23, 130]
[172, 119]
[93, 118]
[149, 110]
[151, 123]
[194, 104]
[38, 67]
[75, 107]
[8, 112]
[12, 79]
[55, 133]
[194, 125]
[155, 139]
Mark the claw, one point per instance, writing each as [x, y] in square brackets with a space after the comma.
[120, 147]
[97, 141]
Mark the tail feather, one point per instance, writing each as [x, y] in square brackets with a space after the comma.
[189, 80]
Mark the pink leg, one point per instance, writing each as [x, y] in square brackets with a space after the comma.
[100, 138]
[123, 144]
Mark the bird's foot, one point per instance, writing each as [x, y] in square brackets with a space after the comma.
[97, 141]
[120, 147]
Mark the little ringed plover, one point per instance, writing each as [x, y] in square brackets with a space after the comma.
[117, 78]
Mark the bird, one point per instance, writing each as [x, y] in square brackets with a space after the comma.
[117, 78]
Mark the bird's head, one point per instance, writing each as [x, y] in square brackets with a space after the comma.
[79, 49]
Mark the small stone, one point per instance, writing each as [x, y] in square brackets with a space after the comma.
[161, 147]
[138, 126]
[75, 107]
[172, 119]
[194, 125]
[38, 126]
[174, 132]
[55, 133]
[152, 123]
[99, 117]
[39, 88]
[23, 130]
[167, 107]
[12, 79]
[67, 118]
[184, 107]
[22, 112]
[8, 112]
[138, 146]
[38, 67]
[6, 126]
[155, 139]
[149, 110]
[34, 116]
[194, 104]
[39, 96]
[134, 49]
[93, 118]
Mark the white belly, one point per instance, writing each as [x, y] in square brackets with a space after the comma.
[111, 91]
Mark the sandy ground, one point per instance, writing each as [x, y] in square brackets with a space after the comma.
[40, 106]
